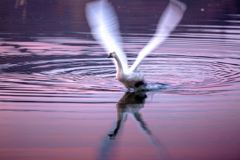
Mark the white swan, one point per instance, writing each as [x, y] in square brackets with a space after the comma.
[105, 29]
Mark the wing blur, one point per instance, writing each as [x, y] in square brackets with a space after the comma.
[104, 26]
[170, 18]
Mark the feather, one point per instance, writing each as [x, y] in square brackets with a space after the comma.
[167, 23]
[105, 28]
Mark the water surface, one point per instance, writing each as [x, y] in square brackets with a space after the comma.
[60, 99]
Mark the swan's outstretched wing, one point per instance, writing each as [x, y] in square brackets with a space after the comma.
[169, 20]
[105, 28]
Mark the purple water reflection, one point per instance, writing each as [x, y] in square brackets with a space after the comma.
[59, 97]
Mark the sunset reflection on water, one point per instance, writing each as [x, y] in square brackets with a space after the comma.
[59, 98]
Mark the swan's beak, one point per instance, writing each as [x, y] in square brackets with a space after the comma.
[111, 55]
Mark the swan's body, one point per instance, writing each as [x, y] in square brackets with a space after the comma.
[133, 79]
[104, 27]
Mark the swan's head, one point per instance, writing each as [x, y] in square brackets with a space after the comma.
[112, 55]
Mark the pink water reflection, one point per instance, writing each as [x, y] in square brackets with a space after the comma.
[185, 129]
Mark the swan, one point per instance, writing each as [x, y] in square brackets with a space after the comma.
[104, 27]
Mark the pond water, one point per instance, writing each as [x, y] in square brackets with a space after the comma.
[60, 99]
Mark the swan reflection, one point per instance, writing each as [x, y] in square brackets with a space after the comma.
[130, 104]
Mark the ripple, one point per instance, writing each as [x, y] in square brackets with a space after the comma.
[189, 63]
[179, 73]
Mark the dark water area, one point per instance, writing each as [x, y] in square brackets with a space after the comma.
[59, 97]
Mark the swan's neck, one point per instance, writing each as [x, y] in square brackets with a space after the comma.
[119, 65]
